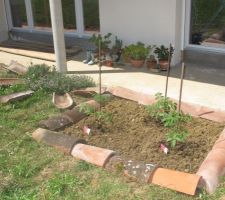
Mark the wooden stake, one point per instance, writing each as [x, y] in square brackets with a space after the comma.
[181, 85]
[100, 73]
[168, 71]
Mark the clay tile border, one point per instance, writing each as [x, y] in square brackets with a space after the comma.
[92, 154]
[207, 176]
[67, 118]
[213, 167]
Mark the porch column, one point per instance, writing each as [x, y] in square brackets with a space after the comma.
[58, 34]
[3, 23]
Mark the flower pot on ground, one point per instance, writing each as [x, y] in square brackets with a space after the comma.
[137, 63]
[137, 54]
[163, 54]
[151, 62]
[62, 101]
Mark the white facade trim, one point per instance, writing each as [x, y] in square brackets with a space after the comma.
[29, 12]
[8, 14]
[79, 17]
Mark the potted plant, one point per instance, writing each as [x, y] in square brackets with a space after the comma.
[163, 54]
[117, 49]
[151, 62]
[137, 54]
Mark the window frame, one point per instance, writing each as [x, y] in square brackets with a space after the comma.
[80, 30]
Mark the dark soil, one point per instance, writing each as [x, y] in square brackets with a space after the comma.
[133, 134]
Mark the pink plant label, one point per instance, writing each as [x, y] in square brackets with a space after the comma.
[164, 148]
[86, 130]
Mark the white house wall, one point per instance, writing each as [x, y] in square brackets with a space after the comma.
[149, 21]
[3, 23]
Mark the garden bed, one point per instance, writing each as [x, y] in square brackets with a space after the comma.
[132, 133]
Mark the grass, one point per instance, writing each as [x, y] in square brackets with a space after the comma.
[32, 171]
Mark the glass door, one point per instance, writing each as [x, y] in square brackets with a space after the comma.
[81, 17]
[207, 24]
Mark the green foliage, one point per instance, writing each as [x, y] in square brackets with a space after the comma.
[40, 77]
[163, 52]
[117, 45]
[165, 112]
[5, 90]
[104, 116]
[176, 135]
[86, 108]
[58, 185]
[104, 41]
[102, 99]
[83, 166]
[136, 51]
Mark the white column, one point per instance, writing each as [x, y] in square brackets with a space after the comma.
[29, 12]
[58, 34]
[3, 23]
[8, 14]
[79, 17]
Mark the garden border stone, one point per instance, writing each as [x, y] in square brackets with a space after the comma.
[67, 118]
[213, 167]
[10, 81]
[62, 142]
[15, 96]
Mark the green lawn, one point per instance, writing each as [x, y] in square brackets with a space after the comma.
[29, 170]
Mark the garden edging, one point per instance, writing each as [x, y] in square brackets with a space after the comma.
[207, 176]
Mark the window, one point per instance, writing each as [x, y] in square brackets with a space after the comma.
[69, 15]
[91, 15]
[18, 11]
[41, 14]
[208, 23]
[79, 16]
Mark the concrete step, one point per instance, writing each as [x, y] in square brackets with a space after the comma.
[207, 58]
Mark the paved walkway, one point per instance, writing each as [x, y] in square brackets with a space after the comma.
[205, 94]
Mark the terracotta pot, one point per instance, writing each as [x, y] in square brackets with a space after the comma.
[63, 101]
[108, 63]
[151, 64]
[137, 63]
[164, 65]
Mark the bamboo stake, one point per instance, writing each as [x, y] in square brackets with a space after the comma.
[181, 85]
[100, 74]
[168, 71]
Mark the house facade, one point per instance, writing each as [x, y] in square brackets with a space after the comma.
[192, 25]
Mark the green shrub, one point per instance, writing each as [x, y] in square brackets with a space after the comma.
[165, 112]
[40, 77]
[136, 51]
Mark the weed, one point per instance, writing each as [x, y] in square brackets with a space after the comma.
[104, 116]
[102, 99]
[86, 108]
